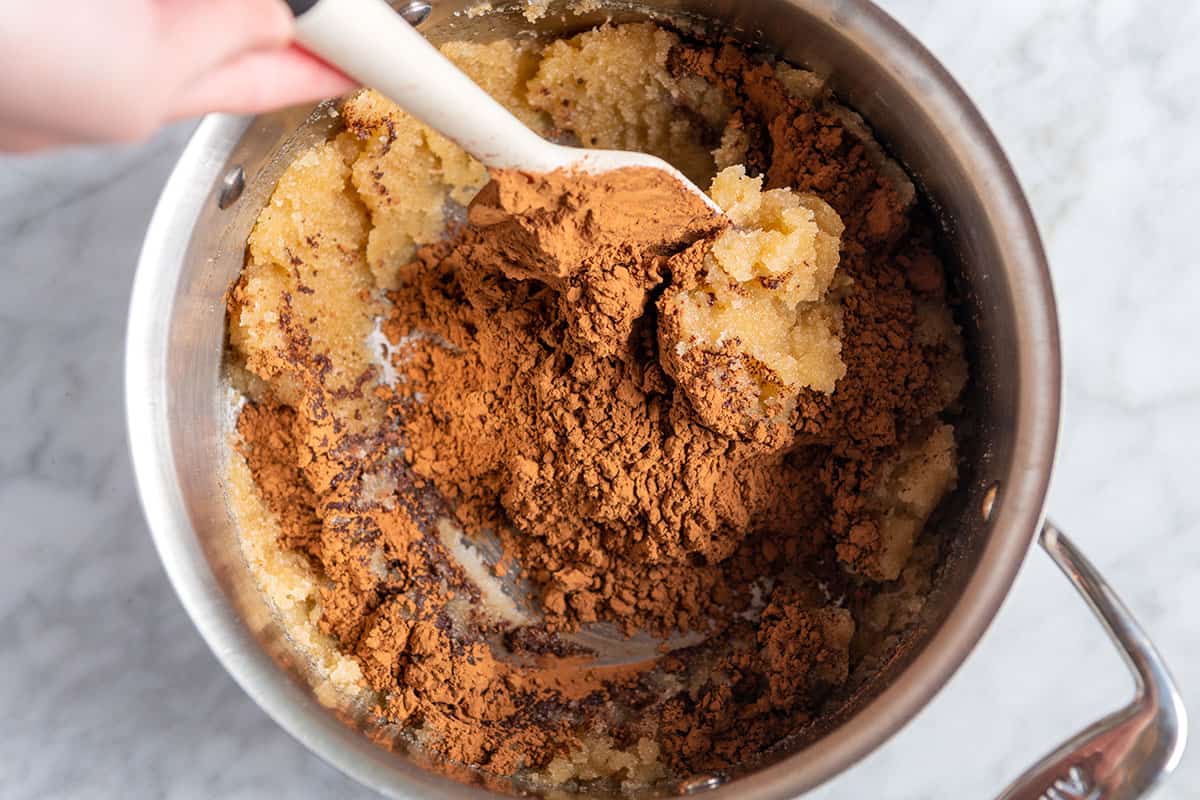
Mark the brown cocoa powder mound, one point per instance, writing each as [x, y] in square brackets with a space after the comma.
[597, 240]
[764, 685]
[386, 603]
[346, 502]
[310, 450]
[592, 469]
[268, 444]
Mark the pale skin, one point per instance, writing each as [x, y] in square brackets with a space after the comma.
[87, 71]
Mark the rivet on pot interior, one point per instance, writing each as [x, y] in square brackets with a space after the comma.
[232, 186]
[414, 13]
[989, 500]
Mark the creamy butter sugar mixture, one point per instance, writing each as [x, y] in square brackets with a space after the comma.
[502, 427]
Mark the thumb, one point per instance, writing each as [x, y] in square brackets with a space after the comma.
[261, 81]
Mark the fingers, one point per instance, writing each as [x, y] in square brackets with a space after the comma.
[198, 35]
[240, 61]
[261, 81]
[18, 140]
[118, 69]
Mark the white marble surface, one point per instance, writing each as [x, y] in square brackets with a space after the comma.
[106, 690]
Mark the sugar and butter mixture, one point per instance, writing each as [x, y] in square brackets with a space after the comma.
[495, 424]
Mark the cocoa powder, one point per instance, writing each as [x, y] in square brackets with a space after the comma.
[532, 405]
[599, 241]
[617, 502]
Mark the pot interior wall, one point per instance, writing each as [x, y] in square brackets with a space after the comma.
[808, 34]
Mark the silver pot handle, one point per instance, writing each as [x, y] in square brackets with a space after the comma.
[1123, 755]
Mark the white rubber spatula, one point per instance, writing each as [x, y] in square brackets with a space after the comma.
[373, 44]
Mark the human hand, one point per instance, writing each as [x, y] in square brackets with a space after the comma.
[85, 71]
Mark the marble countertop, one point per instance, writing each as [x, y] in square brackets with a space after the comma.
[108, 691]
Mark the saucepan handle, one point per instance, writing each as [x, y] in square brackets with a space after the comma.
[1123, 755]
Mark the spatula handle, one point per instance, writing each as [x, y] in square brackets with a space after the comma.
[373, 44]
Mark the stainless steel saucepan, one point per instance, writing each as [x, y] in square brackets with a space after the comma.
[179, 411]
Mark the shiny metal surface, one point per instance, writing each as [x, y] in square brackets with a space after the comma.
[1123, 755]
[179, 412]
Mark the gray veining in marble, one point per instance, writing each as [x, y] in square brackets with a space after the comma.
[107, 692]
